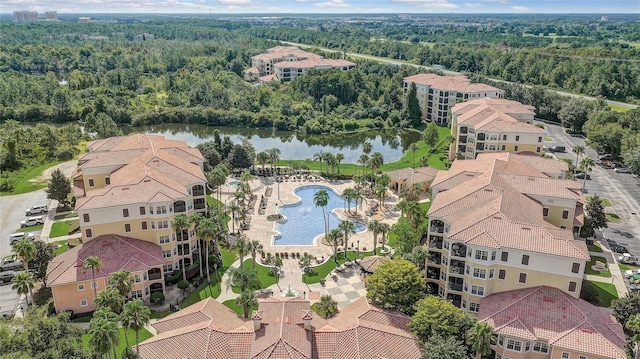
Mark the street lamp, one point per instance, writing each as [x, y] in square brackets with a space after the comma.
[358, 250]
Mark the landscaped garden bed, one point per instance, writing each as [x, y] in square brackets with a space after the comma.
[276, 217]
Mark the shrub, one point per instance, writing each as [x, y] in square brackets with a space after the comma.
[183, 284]
[157, 298]
[65, 155]
[174, 278]
[589, 293]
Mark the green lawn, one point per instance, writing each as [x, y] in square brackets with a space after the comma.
[204, 291]
[323, 270]
[605, 201]
[624, 267]
[618, 108]
[592, 262]
[160, 315]
[31, 229]
[606, 292]
[231, 304]
[613, 218]
[423, 151]
[548, 139]
[59, 229]
[595, 248]
[131, 335]
[29, 180]
[63, 246]
[264, 274]
[68, 215]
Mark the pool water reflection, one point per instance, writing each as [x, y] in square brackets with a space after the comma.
[304, 220]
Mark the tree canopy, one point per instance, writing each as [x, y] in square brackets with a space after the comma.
[396, 284]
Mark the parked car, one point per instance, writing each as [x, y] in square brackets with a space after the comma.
[32, 221]
[622, 170]
[11, 264]
[627, 258]
[557, 148]
[581, 175]
[7, 276]
[41, 208]
[619, 249]
[605, 157]
[13, 238]
[631, 272]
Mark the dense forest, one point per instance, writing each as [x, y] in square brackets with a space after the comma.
[98, 76]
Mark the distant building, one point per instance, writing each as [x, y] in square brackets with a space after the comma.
[143, 37]
[85, 37]
[437, 94]
[404, 16]
[24, 15]
[51, 15]
[84, 19]
[285, 63]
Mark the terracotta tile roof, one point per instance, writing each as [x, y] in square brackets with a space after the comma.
[267, 78]
[365, 332]
[413, 175]
[502, 105]
[549, 315]
[115, 252]
[313, 63]
[450, 83]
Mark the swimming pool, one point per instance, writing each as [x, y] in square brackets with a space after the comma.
[304, 220]
[233, 183]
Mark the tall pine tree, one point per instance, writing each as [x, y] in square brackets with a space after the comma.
[413, 106]
[59, 187]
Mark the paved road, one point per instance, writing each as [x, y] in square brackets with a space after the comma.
[446, 72]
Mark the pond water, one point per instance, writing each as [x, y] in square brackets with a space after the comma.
[304, 220]
[292, 145]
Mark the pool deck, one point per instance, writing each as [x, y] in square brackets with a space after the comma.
[283, 193]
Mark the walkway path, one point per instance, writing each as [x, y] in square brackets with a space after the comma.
[617, 279]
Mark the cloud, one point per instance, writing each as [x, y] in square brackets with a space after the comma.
[503, 2]
[520, 8]
[333, 4]
[430, 4]
[473, 4]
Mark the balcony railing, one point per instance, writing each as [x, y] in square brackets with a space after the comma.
[437, 229]
[198, 192]
[155, 276]
[458, 252]
[435, 244]
[456, 270]
[456, 287]
[197, 206]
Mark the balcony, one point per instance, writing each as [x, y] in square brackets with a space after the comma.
[435, 242]
[459, 270]
[456, 299]
[179, 207]
[197, 190]
[480, 146]
[462, 139]
[434, 258]
[459, 250]
[199, 203]
[184, 236]
[437, 226]
[155, 273]
[455, 286]
[455, 283]
[433, 273]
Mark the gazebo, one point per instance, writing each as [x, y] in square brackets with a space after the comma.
[371, 263]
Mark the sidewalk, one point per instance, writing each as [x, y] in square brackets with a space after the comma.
[617, 279]
[50, 220]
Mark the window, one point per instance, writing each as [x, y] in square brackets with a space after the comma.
[493, 255]
[477, 290]
[467, 269]
[582, 357]
[153, 225]
[572, 286]
[500, 340]
[94, 285]
[125, 212]
[142, 211]
[164, 239]
[515, 148]
[491, 273]
[161, 209]
[527, 346]
[136, 294]
[137, 278]
[80, 287]
[504, 137]
[464, 303]
[525, 259]
[563, 227]
[502, 274]
[539, 138]
[107, 180]
[85, 217]
[150, 209]
[479, 273]
[545, 212]
[565, 355]
[522, 278]
[167, 253]
[144, 225]
[538, 149]
[517, 138]
[88, 233]
[167, 268]
[83, 303]
[91, 182]
[163, 224]
[540, 347]
[514, 345]
[474, 307]
[482, 255]
[127, 227]
[505, 256]
[575, 268]
[565, 214]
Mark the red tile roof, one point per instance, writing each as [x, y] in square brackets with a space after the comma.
[115, 252]
[549, 315]
[359, 331]
[450, 83]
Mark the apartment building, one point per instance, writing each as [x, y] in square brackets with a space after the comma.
[547, 323]
[133, 186]
[493, 124]
[438, 94]
[25, 15]
[504, 222]
[285, 63]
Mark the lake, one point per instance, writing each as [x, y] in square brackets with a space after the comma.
[292, 145]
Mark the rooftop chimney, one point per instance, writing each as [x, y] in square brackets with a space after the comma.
[257, 320]
[308, 315]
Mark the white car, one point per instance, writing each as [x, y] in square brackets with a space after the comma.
[622, 170]
[32, 221]
[631, 272]
[41, 208]
[15, 237]
[627, 258]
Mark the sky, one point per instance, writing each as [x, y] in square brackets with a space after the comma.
[323, 6]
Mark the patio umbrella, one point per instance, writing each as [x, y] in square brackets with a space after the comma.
[370, 264]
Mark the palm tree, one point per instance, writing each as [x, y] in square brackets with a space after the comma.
[95, 264]
[330, 159]
[274, 156]
[242, 277]
[364, 161]
[587, 165]
[206, 231]
[246, 300]
[262, 158]
[347, 195]
[377, 160]
[136, 316]
[254, 247]
[180, 225]
[122, 282]
[26, 250]
[339, 158]
[23, 283]
[367, 147]
[347, 227]
[234, 209]
[103, 332]
[413, 148]
[241, 246]
[384, 229]
[321, 199]
[358, 197]
[327, 307]
[374, 226]
[110, 299]
[334, 238]
[319, 156]
[480, 337]
[578, 150]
